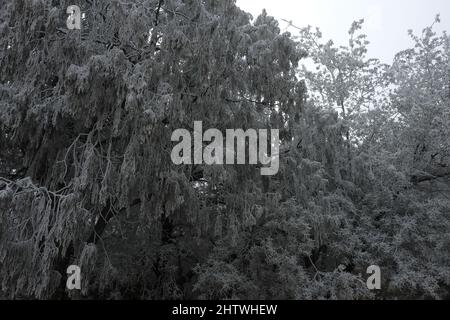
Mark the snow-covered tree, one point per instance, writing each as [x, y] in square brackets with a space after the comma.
[86, 177]
[91, 112]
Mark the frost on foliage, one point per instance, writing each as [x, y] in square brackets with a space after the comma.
[87, 117]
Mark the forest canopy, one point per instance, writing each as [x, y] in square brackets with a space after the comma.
[86, 118]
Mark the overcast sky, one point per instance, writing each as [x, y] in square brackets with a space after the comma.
[387, 21]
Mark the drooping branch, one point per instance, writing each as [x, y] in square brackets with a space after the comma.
[426, 177]
[105, 217]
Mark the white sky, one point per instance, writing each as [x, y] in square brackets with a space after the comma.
[387, 21]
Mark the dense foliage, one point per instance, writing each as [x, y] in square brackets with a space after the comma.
[86, 119]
